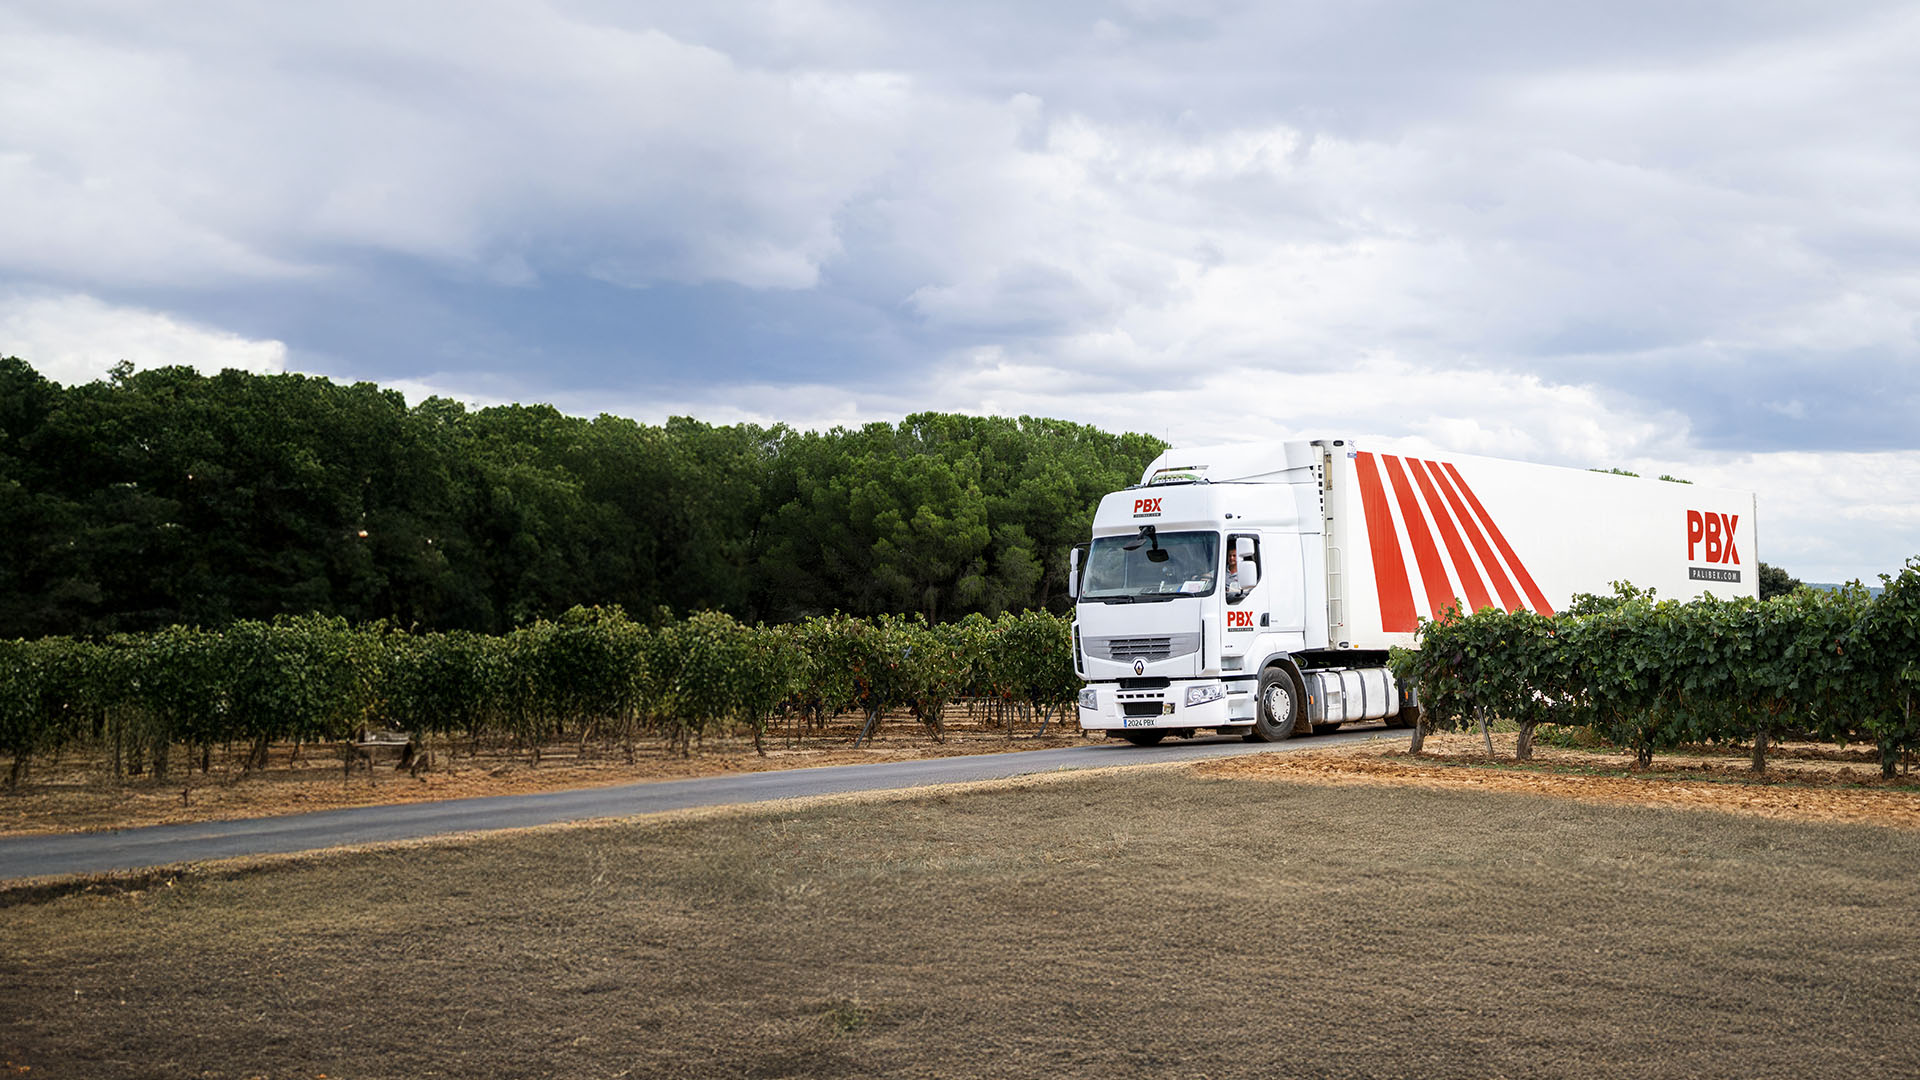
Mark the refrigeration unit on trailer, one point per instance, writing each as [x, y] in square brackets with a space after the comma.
[1258, 587]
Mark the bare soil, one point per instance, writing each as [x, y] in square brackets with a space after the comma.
[1803, 782]
[1141, 922]
[78, 793]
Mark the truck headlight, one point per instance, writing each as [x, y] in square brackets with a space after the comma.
[1089, 698]
[1200, 695]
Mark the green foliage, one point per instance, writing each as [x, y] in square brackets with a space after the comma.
[824, 649]
[710, 665]
[1636, 671]
[926, 667]
[306, 679]
[41, 708]
[1651, 674]
[769, 675]
[593, 674]
[279, 512]
[592, 666]
[1775, 582]
[166, 497]
[1496, 663]
[1033, 655]
[442, 684]
[179, 687]
[1624, 472]
[1885, 652]
[1594, 604]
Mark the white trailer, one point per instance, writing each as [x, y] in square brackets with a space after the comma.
[1258, 587]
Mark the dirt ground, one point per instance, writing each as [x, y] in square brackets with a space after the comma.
[78, 793]
[1138, 922]
[1803, 782]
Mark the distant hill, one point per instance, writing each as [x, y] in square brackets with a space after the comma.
[1833, 587]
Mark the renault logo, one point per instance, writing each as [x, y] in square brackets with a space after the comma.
[1139, 667]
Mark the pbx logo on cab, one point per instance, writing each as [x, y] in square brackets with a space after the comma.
[1146, 508]
[1714, 533]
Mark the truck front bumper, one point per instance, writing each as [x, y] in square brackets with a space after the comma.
[1185, 703]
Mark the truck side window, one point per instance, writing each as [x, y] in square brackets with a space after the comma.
[1243, 566]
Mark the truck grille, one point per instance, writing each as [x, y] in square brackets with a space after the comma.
[1124, 649]
[1145, 648]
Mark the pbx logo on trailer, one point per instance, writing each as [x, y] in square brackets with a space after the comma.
[1711, 534]
[1146, 508]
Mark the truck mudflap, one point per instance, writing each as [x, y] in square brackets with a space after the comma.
[1183, 703]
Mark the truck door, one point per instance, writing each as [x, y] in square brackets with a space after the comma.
[1241, 584]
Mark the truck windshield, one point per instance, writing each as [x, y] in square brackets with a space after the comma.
[1114, 573]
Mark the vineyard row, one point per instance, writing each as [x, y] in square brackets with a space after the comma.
[1638, 672]
[593, 675]
[1839, 666]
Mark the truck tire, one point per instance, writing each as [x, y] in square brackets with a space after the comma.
[1405, 718]
[1277, 709]
[1143, 738]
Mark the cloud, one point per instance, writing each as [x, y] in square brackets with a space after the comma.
[1452, 249]
[507, 140]
[1557, 197]
[74, 338]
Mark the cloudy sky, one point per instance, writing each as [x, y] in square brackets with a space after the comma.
[1676, 238]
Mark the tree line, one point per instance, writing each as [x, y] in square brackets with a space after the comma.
[165, 497]
[1834, 665]
[154, 703]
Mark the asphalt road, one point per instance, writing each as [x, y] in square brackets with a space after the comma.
[165, 845]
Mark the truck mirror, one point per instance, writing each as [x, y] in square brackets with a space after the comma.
[1073, 573]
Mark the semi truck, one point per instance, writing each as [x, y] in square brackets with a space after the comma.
[1257, 588]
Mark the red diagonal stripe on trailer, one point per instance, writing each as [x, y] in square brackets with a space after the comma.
[1506, 550]
[1389, 570]
[1433, 575]
[1509, 596]
[1456, 548]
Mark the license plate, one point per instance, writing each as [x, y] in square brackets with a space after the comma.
[1138, 721]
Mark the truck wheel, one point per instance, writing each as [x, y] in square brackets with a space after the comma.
[1405, 718]
[1278, 707]
[1143, 738]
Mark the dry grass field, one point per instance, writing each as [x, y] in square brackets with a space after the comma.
[1138, 922]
